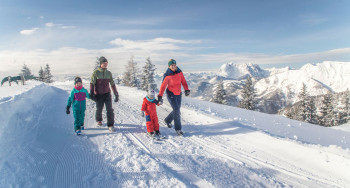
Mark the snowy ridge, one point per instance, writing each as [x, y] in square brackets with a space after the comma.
[223, 146]
[235, 71]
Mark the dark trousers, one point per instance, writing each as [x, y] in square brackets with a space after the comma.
[175, 102]
[101, 100]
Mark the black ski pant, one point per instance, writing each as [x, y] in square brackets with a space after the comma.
[101, 100]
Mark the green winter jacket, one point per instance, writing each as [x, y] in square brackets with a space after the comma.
[100, 80]
[77, 99]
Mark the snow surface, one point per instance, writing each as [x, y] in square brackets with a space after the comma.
[223, 146]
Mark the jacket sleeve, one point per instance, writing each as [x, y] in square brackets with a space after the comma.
[93, 77]
[70, 99]
[144, 105]
[163, 86]
[111, 81]
[183, 82]
[87, 94]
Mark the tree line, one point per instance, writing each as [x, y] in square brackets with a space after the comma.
[44, 74]
[328, 110]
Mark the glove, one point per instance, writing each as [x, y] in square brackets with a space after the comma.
[116, 99]
[187, 92]
[92, 97]
[160, 100]
[142, 113]
[67, 110]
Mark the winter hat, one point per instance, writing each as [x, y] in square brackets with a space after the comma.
[77, 79]
[151, 93]
[102, 60]
[171, 61]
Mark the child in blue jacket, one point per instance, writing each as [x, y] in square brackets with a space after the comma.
[77, 98]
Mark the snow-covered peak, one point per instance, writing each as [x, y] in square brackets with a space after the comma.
[238, 70]
[319, 78]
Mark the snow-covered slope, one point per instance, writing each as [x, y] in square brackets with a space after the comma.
[223, 146]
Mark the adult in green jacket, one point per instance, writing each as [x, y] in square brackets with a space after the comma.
[101, 93]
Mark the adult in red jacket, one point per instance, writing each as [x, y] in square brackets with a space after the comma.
[172, 80]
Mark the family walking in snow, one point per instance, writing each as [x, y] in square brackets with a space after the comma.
[100, 92]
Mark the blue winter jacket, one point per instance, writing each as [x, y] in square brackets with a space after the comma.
[77, 99]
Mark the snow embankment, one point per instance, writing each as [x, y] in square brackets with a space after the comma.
[38, 148]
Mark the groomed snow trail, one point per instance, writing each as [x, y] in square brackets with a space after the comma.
[39, 148]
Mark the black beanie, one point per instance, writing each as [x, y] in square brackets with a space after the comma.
[102, 60]
[77, 79]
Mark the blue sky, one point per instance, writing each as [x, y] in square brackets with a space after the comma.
[200, 35]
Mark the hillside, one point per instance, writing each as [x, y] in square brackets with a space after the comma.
[223, 146]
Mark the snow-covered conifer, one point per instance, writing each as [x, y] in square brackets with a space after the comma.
[327, 113]
[41, 74]
[130, 76]
[47, 74]
[25, 71]
[97, 63]
[248, 95]
[147, 78]
[219, 95]
[345, 109]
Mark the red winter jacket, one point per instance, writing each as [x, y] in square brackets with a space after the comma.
[149, 107]
[173, 81]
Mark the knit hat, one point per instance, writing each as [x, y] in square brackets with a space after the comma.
[171, 61]
[151, 93]
[77, 79]
[102, 60]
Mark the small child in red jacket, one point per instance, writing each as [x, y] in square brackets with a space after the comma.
[149, 108]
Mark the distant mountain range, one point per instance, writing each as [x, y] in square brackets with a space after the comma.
[275, 88]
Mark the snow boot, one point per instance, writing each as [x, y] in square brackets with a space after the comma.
[111, 129]
[78, 132]
[99, 123]
[160, 136]
[168, 124]
[179, 132]
[151, 135]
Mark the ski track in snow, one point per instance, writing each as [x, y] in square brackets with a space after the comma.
[214, 152]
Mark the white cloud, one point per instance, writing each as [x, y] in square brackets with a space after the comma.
[50, 24]
[150, 45]
[29, 31]
[70, 60]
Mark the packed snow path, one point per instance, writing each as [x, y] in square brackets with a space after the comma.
[222, 147]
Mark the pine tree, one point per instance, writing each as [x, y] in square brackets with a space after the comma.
[327, 113]
[25, 71]
[312, 111]
[304, 107]
[47, 74]
[97, 63]
[219, 95]
[248, 95]
[147, 79]
[130, 76]
[41, 74]
[345, 110]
